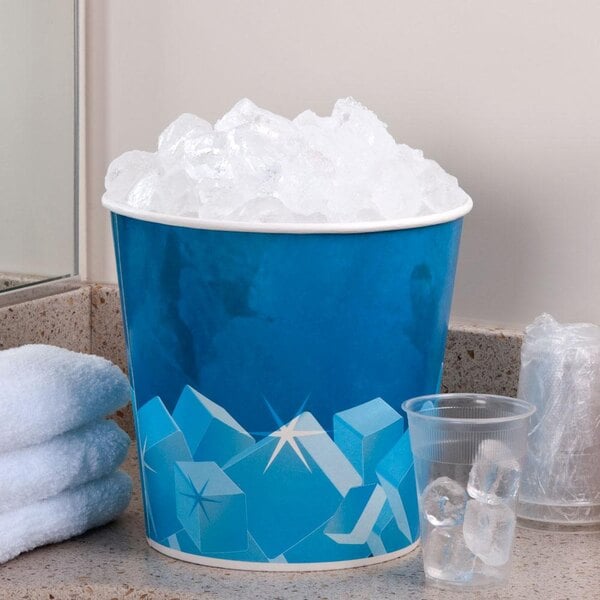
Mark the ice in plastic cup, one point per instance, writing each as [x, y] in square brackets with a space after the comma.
[468, 454]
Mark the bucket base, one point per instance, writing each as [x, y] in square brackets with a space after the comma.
[240, 565]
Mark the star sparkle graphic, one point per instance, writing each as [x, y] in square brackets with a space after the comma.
[279, 422]
[287, 434]
[199, 498]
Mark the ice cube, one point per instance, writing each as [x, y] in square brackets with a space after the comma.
[369, 213]
[308, 119]
[495, 474]
[265, 210]
[395, 191]
[187, 126]
[444, 501]
[489, 530]
[143, 195]
[205, 157]
[175, 190]
[246, 113]
[446, 556]
[352, 117]
[126, 171]
[437, 188]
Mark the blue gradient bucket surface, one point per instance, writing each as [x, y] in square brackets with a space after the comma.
[268, 369]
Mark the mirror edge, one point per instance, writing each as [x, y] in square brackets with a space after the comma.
[61, 284]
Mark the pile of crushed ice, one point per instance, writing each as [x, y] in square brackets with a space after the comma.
[256, 166]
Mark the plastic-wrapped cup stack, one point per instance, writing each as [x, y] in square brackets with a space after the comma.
[560, 375]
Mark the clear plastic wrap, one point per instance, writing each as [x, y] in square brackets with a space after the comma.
[560, 375]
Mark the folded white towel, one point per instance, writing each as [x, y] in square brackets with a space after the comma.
[60, 517]
[45, 391]
[66, 461]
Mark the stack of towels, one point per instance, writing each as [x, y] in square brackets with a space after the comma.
[59, 456]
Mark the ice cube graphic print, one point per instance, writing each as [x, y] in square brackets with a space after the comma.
[295, 496]
[366, 433]
[161, 445]
[396, 474]
[295, 478]
[211, 508]
[212, 434]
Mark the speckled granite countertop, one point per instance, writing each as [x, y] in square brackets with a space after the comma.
[114, 562]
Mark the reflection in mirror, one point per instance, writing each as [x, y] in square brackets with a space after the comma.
[38, 145]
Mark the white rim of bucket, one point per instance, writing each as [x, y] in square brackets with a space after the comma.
[242, 565]
[358, 227]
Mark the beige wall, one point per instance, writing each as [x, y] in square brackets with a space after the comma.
[36, 137]
[506, 95]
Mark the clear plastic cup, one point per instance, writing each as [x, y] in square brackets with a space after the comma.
[468, 454]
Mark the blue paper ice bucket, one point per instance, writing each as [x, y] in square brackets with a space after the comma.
[268, 367]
